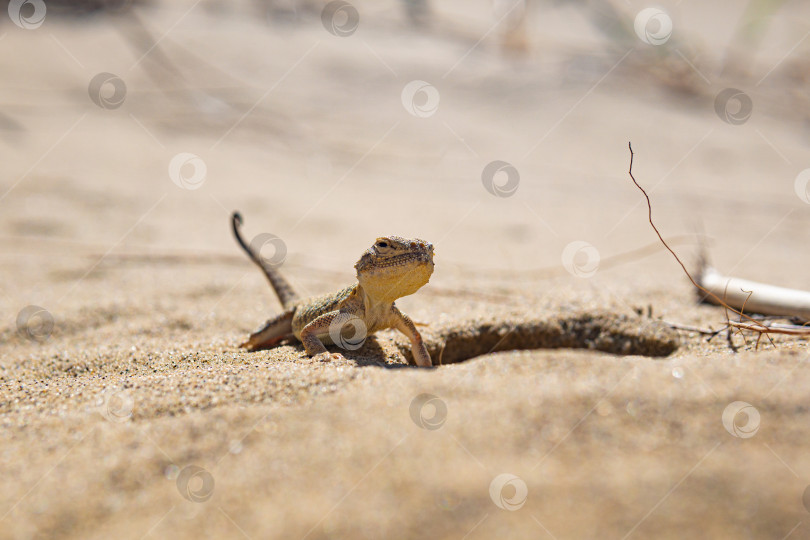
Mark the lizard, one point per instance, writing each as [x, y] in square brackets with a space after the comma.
[391, 268]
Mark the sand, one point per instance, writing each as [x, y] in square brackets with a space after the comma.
[137, 416]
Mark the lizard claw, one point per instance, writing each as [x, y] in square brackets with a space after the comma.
[328, 357]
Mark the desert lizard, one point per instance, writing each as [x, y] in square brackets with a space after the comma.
[390, 269]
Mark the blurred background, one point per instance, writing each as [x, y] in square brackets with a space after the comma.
[137, 127]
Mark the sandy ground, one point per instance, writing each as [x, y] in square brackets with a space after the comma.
[137, 416]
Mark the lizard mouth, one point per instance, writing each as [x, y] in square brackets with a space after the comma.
[402, 261]
[405, 259]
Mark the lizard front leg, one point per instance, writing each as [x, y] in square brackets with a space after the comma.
[309, 337]
[404, 324]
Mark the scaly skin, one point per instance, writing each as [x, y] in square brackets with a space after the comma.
[392, 268]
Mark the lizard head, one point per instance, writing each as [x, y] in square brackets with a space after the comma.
[394, 267]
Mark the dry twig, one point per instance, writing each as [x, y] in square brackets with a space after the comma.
[711, 293]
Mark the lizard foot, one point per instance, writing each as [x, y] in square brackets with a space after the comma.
[328, 357]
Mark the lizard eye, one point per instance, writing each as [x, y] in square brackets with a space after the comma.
[382, 244]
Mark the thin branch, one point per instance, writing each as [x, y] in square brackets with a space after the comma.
[695, 329]
[786, 329]
[661, 238]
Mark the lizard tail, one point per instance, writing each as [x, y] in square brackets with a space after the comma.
[283, 289]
